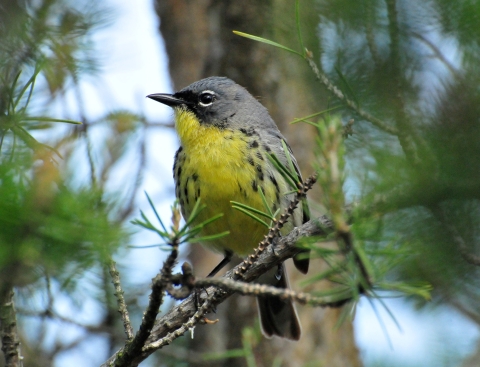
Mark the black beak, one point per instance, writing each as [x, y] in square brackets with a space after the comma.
[168, 99]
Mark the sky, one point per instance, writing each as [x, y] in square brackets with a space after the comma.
[135, 65]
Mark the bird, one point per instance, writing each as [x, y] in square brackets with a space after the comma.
[225, 136]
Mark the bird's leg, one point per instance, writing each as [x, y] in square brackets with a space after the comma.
[221, 265]
[279, 273]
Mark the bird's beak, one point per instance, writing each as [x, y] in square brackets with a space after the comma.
[168, 99]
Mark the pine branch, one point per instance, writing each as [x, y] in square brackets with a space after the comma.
[122, 307]
[186, 315]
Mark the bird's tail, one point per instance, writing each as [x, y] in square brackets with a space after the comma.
[277, 316]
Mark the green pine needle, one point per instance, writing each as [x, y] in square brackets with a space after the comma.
[155, 211]
[49, 119]
[290, 161]
[237, 205]
[206, 222]
[304, 119]
[212, 237]
[265, 204]
[299, 32]
[268, 42]
[287, 175]
[251, 215]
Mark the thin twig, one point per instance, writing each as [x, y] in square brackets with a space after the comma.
[122, 306]
[51, 314]
[134, 347]
[189, 325]
[438, 54]
[256, 289]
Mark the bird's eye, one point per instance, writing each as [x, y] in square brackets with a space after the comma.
[206, 98]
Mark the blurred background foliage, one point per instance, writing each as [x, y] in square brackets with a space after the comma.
[413, 178]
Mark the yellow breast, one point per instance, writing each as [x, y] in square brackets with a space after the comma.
[220, 166]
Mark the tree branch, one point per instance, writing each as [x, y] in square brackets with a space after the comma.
[133, 348]
[184, 316]
[256, 289]
[9, 332]
[122, 307]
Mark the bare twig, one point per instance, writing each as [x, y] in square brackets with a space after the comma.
[9, 332]
[189, 325]
[134, 346]
[122, 307]
[438, 54]
[256, 289]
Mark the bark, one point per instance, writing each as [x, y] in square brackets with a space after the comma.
[9, 331]
[199, 43]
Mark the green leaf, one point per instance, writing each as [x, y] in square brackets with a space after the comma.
[212, 237]
[304, 119]
[155, 211]
[325, 274]
[197, 208]
[299, 32]
[237, 205]
[421, 289]
[358, 248]
[208, 221]
[49, 119]
[265, 204]
[290, 161]
[31, 83]
[287, 175]
[268, 42]
[253, 216]
[392, 316]
[337, 293]
[12, 90]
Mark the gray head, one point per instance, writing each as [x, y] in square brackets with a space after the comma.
[219, 101]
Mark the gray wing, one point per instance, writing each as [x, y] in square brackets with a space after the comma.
[302, 260]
